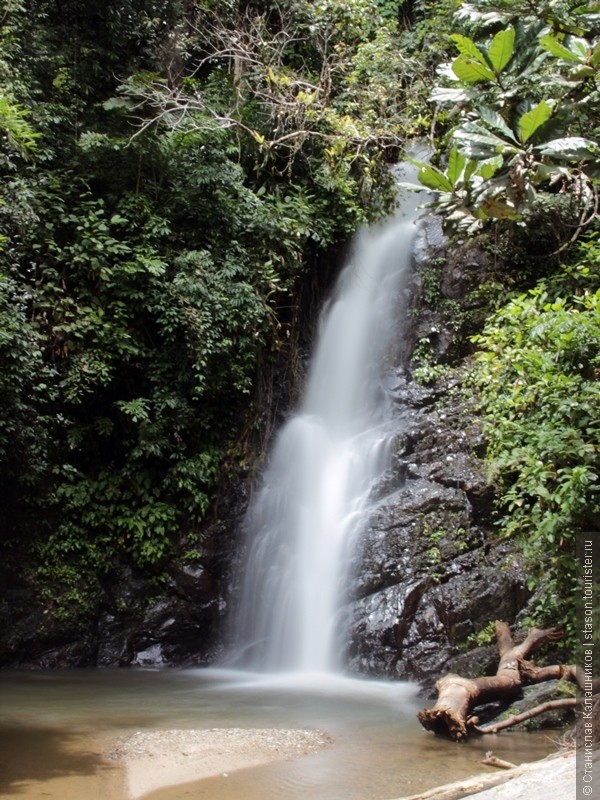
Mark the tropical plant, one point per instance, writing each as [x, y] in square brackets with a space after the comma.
[527, 101]
[537, 370]
[151, 253]
[310, 89]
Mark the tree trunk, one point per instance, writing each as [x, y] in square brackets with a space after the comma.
[457, 696]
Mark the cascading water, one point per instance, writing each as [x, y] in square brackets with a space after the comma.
[303, 521]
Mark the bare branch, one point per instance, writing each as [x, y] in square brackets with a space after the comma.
[290, 102]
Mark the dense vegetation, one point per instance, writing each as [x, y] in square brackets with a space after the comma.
[172, 171]
[523, 159]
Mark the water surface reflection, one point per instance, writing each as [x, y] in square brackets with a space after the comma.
[51, 722]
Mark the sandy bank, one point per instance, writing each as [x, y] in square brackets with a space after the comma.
[153, 759]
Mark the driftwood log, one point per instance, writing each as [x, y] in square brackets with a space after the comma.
[469, 786]
[450, 716]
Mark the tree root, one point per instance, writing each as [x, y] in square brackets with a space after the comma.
[457, 696]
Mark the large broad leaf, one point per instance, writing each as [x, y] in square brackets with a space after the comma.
[571, 148]
[579, 48]
[499, 209]
[475, 151]
[470, 169]
[496, 121]
[431, 177]
[584, 72]
[534, 119]
[456, 165]
[468, 48]
[472, 132]
[551, 44]
[489, 167]
[501, 49]
[471, 71]
[441, 94]
[434, 179]
[473, 14]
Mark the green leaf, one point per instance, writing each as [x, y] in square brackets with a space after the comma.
[571, 147]
[481, 140]
[487, 169]
[441, 94]
[534, 119]
[117, 104]
[471, 71]
[434, 179]
[501, 49]
[551, 44]
[468, 48]
[456, 164]
[579, 48]
[470, 170]
[495, 120]
[498, 209]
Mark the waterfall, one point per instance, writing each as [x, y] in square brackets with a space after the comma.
[305, 518]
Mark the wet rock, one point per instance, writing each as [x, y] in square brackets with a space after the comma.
[466, 267]
[536, 695]
[429, 574]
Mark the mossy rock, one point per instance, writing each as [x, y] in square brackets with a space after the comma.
[536, 695]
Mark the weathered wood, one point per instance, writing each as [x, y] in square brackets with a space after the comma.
[566, 702]
[448, 716]
[454, 791]
[469, 786]
[457, 695]
[493, 761]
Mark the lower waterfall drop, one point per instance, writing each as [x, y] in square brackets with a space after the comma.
[304, 520]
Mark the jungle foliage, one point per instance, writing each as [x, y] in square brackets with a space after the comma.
[519, 107]
[171, 172]
[537, 369]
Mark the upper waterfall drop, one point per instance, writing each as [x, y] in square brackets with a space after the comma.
[303, 521]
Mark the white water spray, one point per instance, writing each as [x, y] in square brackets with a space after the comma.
[303, 521]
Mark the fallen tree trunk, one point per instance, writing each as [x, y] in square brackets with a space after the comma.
[457, 696]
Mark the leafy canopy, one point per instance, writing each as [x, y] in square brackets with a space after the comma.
[525, 89]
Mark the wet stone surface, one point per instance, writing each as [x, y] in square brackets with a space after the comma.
[429, 574]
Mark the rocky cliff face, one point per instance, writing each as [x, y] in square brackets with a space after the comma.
[429, 571]
[429, 574]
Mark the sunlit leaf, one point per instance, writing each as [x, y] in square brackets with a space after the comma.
[441, 94]
[488, 168]
[534, 119]
[468, 48]
[551, 44]
[470, 169]
[434, 179]
[456, 164]
[471, 71]
[478, 135]
[501, 49]
[495, 120]
[579, 48]
[571, 148]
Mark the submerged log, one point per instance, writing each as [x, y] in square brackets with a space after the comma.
[457, 696]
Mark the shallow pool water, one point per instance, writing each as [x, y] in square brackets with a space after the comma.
[51, 724]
